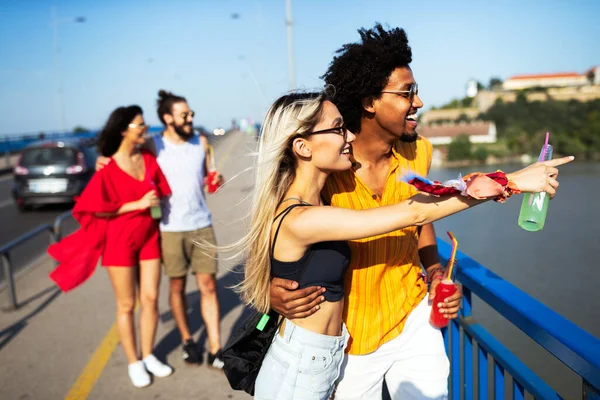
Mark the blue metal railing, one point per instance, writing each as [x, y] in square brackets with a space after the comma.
[15, 143]
[570, 344]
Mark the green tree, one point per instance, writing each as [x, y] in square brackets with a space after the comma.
[480, 154]
[80, 129]
[574, 126]
[462, 118]
[495, 83]
[591, 76]
[459, 148]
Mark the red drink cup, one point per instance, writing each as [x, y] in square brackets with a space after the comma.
[443, 290]
[212, 181]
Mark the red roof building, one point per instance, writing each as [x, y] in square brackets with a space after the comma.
[478, 132]
[564, 79]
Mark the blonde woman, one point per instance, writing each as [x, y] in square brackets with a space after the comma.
[293, 235]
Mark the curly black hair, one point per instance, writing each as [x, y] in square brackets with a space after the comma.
[361, 70]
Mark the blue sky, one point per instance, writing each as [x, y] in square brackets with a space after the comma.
[129, 49]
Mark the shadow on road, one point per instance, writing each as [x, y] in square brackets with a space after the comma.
[228, 300]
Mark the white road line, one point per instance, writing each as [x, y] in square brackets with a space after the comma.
[7, 202]
[7, 177]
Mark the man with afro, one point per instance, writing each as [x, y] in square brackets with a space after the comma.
[386, 303]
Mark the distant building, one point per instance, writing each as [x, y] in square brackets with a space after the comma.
[567, 79]
[559, 87]
[478, 132]
[471, 88]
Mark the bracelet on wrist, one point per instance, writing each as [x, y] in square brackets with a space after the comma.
[436, 273]
[476, 185]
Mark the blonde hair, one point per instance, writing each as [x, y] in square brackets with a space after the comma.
[290, 116]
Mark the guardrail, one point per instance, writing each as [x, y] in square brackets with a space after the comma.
[466, 340]
[55, 234]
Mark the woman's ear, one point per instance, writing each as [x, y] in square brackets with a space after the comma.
[301, 147]
[367, 104]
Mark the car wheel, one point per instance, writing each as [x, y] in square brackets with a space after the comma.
[22, 207]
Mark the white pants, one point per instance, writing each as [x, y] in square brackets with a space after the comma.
[414, 365]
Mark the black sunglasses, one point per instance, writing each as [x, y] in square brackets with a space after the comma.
[184, 115]
[338, 130]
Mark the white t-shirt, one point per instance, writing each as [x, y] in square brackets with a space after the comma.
[183, 166]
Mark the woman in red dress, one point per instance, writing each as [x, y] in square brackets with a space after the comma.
[116, 224]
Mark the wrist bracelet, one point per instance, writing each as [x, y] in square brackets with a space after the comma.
[475, 185]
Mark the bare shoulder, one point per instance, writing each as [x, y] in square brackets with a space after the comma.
[204, 140]
[300, 221]
[290, 225]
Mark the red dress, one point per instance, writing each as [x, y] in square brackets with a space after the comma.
[122, 240]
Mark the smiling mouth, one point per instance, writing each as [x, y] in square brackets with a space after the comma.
[412, 117]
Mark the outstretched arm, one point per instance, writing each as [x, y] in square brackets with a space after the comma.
[317, 222]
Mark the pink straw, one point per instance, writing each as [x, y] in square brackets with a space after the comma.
[545, 147]
[542, 156]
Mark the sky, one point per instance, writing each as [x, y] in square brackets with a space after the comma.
[229, 58]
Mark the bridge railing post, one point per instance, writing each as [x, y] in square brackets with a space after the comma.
[10, 282]
[589, 392]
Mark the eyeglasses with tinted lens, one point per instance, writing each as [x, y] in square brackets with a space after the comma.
[338, 130]
[184, 115]
[140, 126]
[407, 94]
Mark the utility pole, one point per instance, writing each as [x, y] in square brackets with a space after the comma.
[57, 67]
[57, 64]
[290, 43]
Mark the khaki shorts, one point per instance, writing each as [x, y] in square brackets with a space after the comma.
[179, 253]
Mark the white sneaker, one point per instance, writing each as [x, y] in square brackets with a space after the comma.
[138, 374]
[156, 368]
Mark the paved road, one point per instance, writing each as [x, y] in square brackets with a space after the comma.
[59, 345]
[15, 223]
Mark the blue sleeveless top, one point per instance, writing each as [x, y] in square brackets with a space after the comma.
[323, 264]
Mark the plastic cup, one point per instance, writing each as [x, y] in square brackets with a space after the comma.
[443, 290]
[212, 181]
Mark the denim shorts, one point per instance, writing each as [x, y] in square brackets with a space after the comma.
[301, 365]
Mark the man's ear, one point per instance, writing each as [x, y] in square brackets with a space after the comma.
[368, 104]
[301, 147]
[168, 118]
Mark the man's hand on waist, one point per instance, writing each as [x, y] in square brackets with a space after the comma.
[291, 302]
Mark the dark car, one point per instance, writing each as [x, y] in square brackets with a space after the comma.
[53, 171]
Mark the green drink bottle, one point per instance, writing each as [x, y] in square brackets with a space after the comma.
[155, 212]
[535, 205]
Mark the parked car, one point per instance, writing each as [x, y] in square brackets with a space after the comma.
[53, 171]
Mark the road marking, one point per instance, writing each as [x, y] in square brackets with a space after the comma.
[7, 202]
[6, 178]
[92, 371]
[222, 160]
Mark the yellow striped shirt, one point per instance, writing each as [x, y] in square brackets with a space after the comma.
[383, 283]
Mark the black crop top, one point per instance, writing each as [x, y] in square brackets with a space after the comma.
[323, 264]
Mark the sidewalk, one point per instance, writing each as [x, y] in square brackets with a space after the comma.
[56, 340]
[8, 162]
